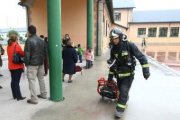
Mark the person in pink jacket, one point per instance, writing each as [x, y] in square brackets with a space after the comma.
[89, 58]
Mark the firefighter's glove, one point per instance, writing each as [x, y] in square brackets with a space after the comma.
[110, 61]
[146, 73]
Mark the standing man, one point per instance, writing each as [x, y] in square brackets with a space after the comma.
[1, 53]
[35, 52]
[1, 62]
[46, 60]
[143, 45]
[124, 53]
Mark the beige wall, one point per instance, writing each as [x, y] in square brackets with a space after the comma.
[126, 16]
[38, 16]
[107, 21]
[133, 33]
[74, 20]
[164, 49]
[168, 54]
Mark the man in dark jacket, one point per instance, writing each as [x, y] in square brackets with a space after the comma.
[123, 54]
[35, 52]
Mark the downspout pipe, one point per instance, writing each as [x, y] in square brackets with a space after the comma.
[23, 4]
[100, 15]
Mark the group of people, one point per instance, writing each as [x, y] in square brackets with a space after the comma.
[1, 63]
[72, 54]
[35, 60]
[34, 54]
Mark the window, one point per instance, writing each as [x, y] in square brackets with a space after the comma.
[152, 32]
[152, 54]
[163, 32]
[174, 32]
[117, 16]
[161, 56]
[172, 56]
[141, 31]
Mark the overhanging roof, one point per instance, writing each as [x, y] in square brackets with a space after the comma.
[156, 16]
[110, 8]
[26, 3]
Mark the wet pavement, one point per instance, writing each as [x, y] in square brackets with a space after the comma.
[155, 99]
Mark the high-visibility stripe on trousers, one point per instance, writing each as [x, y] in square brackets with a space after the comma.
[125, 75]
[121, 106]
[145, 65]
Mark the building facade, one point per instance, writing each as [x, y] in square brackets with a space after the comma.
[74, 20]
[160, 30]
[86, 21]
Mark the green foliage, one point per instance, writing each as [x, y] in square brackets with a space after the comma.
[22, 40]
[12, 32]
[1, 38]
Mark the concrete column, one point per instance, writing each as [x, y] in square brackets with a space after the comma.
[169, 31]
[100, 28]
[55, 50]
[166, 55]
[90, 23]
[157, 33]
[155, 55]
[177, 56]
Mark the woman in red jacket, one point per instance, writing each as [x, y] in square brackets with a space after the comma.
[16, 70]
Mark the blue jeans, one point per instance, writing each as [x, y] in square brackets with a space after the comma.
[80, 58]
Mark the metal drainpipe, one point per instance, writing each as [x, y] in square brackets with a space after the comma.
[100, 8]
[27, 15]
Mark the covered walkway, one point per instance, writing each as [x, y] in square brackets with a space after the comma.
[155, 99]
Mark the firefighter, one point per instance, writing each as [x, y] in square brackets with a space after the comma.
[123, 54]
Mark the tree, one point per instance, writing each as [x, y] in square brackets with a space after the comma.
[1, 38]
[22, 40]
[11, 32]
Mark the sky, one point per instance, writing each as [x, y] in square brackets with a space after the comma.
[157, 4]
[14, 16]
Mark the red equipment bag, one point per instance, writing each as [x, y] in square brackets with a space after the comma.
[78, 69]
[108, 89]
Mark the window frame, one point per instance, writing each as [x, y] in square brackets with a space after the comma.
[142, 31]
[162, 34]
[152, 35]
[175, 28]
[117, 14]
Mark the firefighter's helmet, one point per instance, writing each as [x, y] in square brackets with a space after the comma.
[115, 33]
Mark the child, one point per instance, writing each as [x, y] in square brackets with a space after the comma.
[89, 58]
[80, 53]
